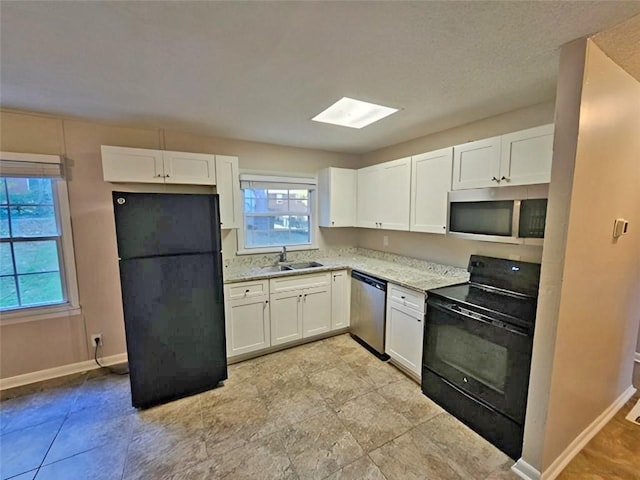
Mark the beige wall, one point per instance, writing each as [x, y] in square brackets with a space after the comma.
[590, 291]
[438, 248]
[507, 122]
[38, 345]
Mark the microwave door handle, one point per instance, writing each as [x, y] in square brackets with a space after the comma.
[515, 220]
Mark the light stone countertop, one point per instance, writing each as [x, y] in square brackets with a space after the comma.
[408, 272]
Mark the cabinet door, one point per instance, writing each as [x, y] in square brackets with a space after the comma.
[394, 194]
[340, 299]
[404, 336]
[286, 317]
[228, 187]
[430, 185]
[337, 197]
[248, 325]
[476, 164]
[189, 168]
[526, 156]
[138, 165]
[316, 311]
[368, 197]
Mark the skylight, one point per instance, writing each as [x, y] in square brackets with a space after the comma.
[348, 112]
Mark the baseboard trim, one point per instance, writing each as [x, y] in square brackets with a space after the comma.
[587, 434]
[49, 373]
[526, 471]
[637, 357]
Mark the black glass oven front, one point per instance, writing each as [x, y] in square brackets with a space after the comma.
[484, 357]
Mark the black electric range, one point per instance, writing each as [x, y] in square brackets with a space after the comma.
[477, 348]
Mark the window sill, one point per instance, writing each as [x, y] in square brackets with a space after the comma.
[36, 314]
[292, 248]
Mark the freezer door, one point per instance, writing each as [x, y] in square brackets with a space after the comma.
[152, 224]
[174, 322]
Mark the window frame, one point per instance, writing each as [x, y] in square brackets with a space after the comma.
[242, 249]
[66, 256]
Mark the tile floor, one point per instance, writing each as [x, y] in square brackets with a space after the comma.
[323, 410]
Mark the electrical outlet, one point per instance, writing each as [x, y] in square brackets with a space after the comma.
[98, 337]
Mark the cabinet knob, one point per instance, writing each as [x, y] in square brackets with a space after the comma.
[402, 297]
[505, 179]
[247, 291]
[495, 179]
[166, 176]
[333, 223]
[266, 301]
[158, 175]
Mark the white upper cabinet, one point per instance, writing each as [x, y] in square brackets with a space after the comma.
[228, 187]
[476, 164]
[518, 158]
[139, 165]
[384, 195]
[526, 156]
[189, 168]
[430, 181]
[368, 198]
[337, 197]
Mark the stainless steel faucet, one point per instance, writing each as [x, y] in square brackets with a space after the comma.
[283, 254]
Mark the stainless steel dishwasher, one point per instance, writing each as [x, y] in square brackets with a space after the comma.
[368, 311]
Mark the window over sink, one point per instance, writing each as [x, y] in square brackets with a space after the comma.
[277, 212]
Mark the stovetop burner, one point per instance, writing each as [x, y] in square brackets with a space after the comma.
[498, 287]
[520, 309]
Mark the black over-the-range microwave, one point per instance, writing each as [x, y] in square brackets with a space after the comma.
[499, 214]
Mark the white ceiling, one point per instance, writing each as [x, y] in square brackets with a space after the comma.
[261, 70]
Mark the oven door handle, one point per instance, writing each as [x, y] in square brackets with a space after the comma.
[457, 311]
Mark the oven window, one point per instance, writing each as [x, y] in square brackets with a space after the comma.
[485, 218]
[473, 356]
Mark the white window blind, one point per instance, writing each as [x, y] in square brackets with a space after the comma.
[27, 165]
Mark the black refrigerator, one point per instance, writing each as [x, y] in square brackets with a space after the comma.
[171, 276]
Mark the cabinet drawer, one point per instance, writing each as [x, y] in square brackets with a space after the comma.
[296, 282]
[404, 296]
[247, 289]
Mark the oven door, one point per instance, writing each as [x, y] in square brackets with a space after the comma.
[487, 359]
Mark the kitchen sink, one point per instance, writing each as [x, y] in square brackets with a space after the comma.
[276, 268]
[301, 265]
[290, 266]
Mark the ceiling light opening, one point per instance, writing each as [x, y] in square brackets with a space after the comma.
[348, 112]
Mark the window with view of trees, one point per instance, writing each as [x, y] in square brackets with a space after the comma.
[277, 216]
[30, 244]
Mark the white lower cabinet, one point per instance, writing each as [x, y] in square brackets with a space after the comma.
[267, 313]
[405, 327]
[300, 307]
[248, 325]
[316, 311]
[340, 299]
[286, 313]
